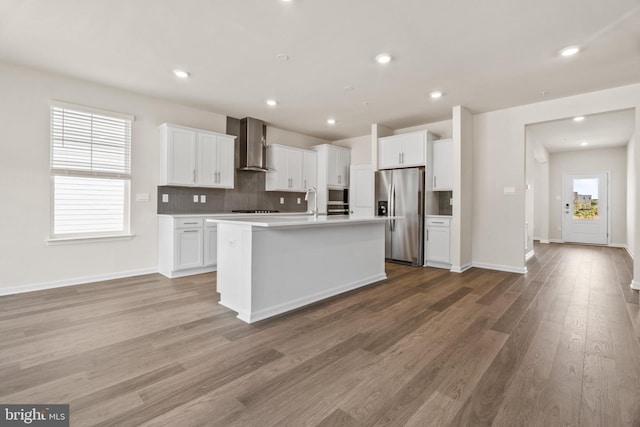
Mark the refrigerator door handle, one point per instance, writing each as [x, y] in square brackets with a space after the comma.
[393, 198]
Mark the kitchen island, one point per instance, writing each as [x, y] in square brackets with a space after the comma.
[269, 265]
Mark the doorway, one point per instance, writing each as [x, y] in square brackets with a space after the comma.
[585, 208]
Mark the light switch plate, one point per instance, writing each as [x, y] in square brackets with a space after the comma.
[298, 200]
[195, 198]
[282, 200]
[510, 190]
[203, 198]
[165, 198]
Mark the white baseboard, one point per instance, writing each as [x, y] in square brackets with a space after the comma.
[75, 281]
[635, 285]
[265, 313]
[460, 268]
[529, 255]
[544, 241]
[556, 241]
[507, 268]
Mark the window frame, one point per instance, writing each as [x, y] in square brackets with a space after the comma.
[64, 238]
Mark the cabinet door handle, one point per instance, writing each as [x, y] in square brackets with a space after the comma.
[194, 175]
[190, 223]
[427, 234]
[399, 158]
[437, 222]
[218, 177]
[402, 155]
[434, 181]
[305, 183]
[190, 231]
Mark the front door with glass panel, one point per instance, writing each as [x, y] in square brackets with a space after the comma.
[585, 208]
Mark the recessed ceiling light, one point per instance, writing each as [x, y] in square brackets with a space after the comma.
[181, 73]
[348, 88]
[436, 94]
[282, 57]
[272, 102]
[570, 51]
[578, 118]
[331, 121]
[584, 143]
[383, 58]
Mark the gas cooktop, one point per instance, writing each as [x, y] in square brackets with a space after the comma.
[254, 211]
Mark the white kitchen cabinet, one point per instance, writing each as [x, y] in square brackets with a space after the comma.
[194, 157]
[187, 245]
[437, 242]
[404, 150]
[210, 245]
[309, 169]
[442, 165]
[286, 168]
[333, 172]
[333, 166]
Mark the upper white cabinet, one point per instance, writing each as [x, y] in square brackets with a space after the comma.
[404, 150]
[194, 157]
[333, 166]
[309, 169]
[290, 169]
[442, 165]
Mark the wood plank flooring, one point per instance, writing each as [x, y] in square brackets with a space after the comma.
[558, 346]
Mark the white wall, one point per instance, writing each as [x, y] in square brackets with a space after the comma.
[293, 139]
[613, 160]
[443, 129]
[631, 193]
[360, 149]
[498, 162]
[541, 201]
[461, 222]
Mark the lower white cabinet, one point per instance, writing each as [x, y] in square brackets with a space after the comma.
[437, 242]
[187, 245]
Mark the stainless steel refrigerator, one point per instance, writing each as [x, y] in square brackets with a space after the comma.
[400, 192]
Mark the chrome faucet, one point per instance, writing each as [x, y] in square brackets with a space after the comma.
[315, 200]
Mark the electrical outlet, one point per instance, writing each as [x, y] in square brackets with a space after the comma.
[165, 198]
[142, 197]
[298, 200]
[203, 198]
[282, 200]
[195, 198]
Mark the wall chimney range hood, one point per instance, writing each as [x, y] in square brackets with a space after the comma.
[253, 145]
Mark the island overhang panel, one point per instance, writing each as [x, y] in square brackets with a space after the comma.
[268, 268]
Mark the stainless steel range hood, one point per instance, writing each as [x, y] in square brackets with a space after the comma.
[253, 145]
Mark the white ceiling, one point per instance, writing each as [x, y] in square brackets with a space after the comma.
[611, 129]
[484, 55]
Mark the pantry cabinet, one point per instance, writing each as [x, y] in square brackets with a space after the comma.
[196, 158]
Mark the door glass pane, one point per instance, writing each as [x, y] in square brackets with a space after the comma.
[585, 199]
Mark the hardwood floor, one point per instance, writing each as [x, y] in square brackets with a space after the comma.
[558, 346]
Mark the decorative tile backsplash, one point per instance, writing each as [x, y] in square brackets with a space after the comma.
[248, 193]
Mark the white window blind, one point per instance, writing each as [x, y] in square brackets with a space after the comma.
[91, 172]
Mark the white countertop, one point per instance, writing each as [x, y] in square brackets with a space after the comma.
[233, 214]
[277, 220]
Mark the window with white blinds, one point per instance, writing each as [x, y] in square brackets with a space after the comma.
[90, 171]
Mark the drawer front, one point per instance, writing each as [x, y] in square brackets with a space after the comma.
[438, 222]
[189, 222]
